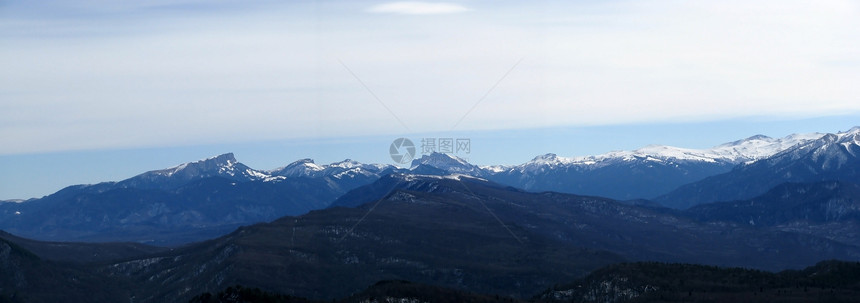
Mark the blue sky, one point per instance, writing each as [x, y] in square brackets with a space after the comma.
[97, 90]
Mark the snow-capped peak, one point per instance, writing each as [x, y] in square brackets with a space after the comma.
[747, 141]
[302, 167]
[741, 151]
[348, 163]
[224, 165]
[445, 162]
[850, 140]
[438, 158]
[854, 131]
[760, 147]
[220, 163]
[847, 139]
[494, 169]
[550, 158]
[307, 168]
[828, 152]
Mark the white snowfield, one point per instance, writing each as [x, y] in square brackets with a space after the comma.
[742, 151]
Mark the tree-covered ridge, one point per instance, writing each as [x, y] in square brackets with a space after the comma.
[834, 281]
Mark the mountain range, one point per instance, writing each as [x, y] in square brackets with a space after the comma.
[326, 232]
[186, 203]
[203, 199]
[639, 174]
[831, 157]
[457, 232]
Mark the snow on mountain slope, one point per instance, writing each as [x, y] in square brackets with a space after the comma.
[344, 169]
[299, 168]
[446, 163]
[221, 165]
[760, 147]
[224, 166]
[830, 152]
[832, 157]
[741, 151]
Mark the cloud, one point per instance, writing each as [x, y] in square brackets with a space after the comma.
[418, 8]
[149, 78]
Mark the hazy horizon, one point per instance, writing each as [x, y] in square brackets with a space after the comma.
[95, 91]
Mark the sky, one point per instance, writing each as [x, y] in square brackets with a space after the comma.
[97, 90]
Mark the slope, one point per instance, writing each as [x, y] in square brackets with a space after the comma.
[27, 278]
[827, 209]
[643, 173]
[81, 252]
[200, 209]
[827, 281]
[427, 238]
[463, 233]
[832, 157]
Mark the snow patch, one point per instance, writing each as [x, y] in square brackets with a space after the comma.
[742, 151]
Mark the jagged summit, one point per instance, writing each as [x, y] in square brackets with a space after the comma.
[347, 168]
[546, 158]
[222, 158]
[223, 162]
[736, 152]
[224, 165]
[346, 163]
[222, 189]
[834, 156]
[438, 158]
[302, 161]
[444, 164]
[830, 152]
